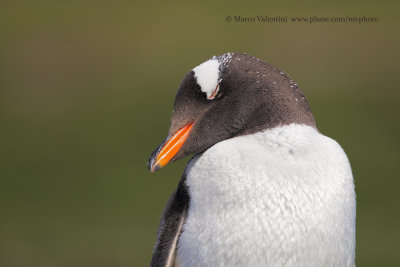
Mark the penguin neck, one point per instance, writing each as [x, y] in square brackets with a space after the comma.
[279, 112]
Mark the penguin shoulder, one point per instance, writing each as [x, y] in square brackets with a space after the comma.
[285, 149]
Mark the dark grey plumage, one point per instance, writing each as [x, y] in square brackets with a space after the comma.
[170, 226]
[253, 96]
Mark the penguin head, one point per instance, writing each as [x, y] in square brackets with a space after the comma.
[227, 96]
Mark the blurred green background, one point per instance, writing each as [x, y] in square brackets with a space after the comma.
[86, 92]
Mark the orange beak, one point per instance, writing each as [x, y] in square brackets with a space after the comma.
[162, 156]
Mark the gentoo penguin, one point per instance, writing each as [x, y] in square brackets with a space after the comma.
[264, 187]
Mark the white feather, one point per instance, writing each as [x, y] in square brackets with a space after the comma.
[282, 197]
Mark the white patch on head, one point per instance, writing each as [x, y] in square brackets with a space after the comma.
[207, 76]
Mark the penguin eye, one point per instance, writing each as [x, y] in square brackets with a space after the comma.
[214, 93]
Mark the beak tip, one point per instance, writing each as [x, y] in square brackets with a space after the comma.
[155, 167]
[150, 163]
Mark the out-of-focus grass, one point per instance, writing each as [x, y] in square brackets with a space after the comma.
[86, 93]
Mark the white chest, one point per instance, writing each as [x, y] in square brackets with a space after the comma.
[284, 197]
